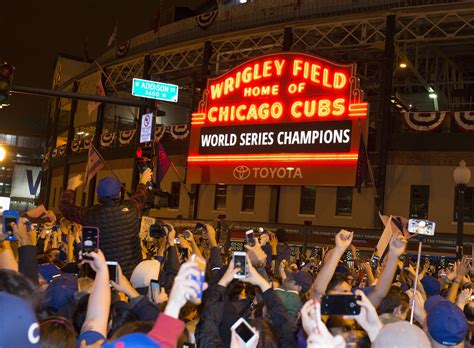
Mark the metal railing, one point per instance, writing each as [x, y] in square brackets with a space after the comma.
[258, 14]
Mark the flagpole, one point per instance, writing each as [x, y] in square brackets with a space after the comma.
[179, 177]
[371, 173]
[110, 169]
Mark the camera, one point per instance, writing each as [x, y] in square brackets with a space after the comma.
[158, 230]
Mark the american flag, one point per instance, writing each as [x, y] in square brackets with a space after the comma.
[94, 165]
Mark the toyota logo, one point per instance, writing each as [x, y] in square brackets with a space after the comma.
[241, 172]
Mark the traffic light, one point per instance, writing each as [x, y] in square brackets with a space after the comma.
[6, 78]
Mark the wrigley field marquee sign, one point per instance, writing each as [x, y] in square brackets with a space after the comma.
[283, 119]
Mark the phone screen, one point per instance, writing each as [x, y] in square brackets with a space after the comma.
[340, 305]
[112, 266]
[154, 284]
[250, 238]
[240, 262]
[90, 239]
[375, 262]
[244, 332]
[424, 227]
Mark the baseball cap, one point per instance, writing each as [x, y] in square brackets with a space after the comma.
[61, 290]
[446, 323]
[144, 272]
[19, 326]
[109, 188]
[391, 334]
[301, 278]
[133, 340]
[431, 285]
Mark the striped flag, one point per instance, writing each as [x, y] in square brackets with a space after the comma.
[94, 165]
[100, 91]
[163, 162]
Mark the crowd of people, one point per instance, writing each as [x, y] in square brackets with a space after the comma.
[53, 295]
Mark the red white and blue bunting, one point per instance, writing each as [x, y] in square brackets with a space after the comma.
[424, 121]
[465, 120]
[121, 138]
[206, 19]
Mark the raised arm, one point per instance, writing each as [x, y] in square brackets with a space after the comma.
[397, 248]
[343, 241]
[98, 307]
[67, 207]
[139, 197]
[462, 267]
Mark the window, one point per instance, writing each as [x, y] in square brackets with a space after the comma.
[419, 197]
[308, 200]
[248, 197]
[468, 204]
[344, 201]
[174, 195]
[220, 197]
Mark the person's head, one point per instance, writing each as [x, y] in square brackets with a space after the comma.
[120, 314]
[144, 273]
[431, 285]
[108, 189]
[19, 325]
[396, 302]
[338, 285]
[401, 334]
[267, 336]
[132, 327]
[446, 324]
[61, 291]
[300, 281]
[17, 284]
[281, 235]
[188, 312]
[57, 332]
[79, 315]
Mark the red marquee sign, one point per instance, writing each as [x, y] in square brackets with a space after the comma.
[284, 119]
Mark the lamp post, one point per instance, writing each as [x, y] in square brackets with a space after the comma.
[461, 175]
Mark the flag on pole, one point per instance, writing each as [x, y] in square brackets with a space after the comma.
[100, 90]
[94, 165]
[113, 36]
[163, 162]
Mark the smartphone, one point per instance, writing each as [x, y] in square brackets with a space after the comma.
[113, 270]
[245, 333]
[374, 263]
[424, 227]
[340, 304]
[201, 266]
[8, 217]
[250, 238]
[90, 240]
[240, 261]
[177, 241]
[154, 284]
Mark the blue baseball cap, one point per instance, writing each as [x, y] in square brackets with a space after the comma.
[133, 340]
[431, 285]
[108, 188]
[61, 290]
[19, 326]
[446, 322]
[302, 278]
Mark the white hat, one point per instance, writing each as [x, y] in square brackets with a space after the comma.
[144, 272]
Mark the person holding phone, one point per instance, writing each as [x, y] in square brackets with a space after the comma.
[118, 222]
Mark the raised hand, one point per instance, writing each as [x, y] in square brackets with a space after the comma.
[124, 285]
[344, 239]
[145, 177]
[256, 254]
[171, 234]
[398, 246]
[20, 232]
[74, 182]
[228, 275]
[420, 313]
[254, 278]
[97, 262]
[211, 235]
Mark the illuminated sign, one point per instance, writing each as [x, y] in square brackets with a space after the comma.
[285, 119]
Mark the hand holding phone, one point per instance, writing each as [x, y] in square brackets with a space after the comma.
[9, 217]
[154, 285]
[250, 238]
[200, 264]
[113, 271]
[240, 262]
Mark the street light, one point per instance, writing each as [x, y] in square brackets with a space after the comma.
[462, 176]
[3, 153]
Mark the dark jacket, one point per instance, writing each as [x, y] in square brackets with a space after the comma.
[207, 331]
[119, 225]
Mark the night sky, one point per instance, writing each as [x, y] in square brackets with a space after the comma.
[35, 32]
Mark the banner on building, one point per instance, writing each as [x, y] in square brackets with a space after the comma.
[26, 181]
